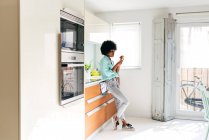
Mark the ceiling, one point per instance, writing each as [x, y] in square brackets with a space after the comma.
[98, 6]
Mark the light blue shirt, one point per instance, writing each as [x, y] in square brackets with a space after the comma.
[106, 66]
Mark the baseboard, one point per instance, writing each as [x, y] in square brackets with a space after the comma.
[190, 115]
[190, 118]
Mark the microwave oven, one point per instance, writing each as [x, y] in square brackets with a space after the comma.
[72, 32]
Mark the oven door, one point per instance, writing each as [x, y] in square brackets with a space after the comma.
[72, 82]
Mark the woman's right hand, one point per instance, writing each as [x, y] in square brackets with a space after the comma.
[120, 62]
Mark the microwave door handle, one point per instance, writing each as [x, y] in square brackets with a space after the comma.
[64, 65]
[75, 65]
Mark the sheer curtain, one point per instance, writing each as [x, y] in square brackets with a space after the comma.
[194, 46]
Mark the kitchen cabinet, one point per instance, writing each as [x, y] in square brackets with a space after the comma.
[164, 65]
[96, 29]
[98, 108]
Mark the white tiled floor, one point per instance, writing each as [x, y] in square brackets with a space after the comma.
[147, 129]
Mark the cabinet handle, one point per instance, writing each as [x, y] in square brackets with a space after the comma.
[96, 110]
[110, 101]
[94, 99]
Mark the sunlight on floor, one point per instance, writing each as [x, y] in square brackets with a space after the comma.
[147, 129]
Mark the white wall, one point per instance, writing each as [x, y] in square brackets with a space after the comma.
[42, 118]
[96, 29]
[136, 84]
[9, 72]
[75, 5]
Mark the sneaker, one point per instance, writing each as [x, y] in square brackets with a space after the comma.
[115, 123]
[128, 127]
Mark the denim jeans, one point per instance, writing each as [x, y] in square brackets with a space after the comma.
[120, 100]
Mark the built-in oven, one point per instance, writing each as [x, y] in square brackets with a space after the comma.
[72, 32]
[72, 57]
[72, 77]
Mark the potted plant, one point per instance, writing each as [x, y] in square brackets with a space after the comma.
[87, 69]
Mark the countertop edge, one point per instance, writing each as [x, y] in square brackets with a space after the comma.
[93, 83]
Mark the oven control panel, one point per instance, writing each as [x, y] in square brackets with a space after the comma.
[72, 57]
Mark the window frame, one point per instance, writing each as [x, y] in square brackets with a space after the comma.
[185, 114]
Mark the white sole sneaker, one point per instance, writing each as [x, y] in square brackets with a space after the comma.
[128, 127]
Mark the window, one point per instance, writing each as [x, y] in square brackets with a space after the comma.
[193, 61]
[127, 36]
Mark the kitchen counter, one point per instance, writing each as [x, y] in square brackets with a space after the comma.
[98, 108]
[92, 82]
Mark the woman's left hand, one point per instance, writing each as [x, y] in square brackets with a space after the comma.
[122, 57]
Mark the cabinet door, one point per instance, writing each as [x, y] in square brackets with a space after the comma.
[158, 51]
[95, 119]
[110, 109]
[158, 70]
[96, 101]
[170, 69]
[92, 92]
[163, 83]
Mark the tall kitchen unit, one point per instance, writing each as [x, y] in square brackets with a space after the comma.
[72, 56]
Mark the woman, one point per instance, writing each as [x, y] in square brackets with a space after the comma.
[110, 74]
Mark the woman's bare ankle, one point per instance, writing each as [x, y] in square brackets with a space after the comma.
[116, 118]
[124, 122]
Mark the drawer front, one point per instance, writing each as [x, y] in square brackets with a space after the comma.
[96, 101]
[111, 110]
[92, 92]
[94, 121]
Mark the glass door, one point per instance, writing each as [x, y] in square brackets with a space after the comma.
[72, 83]
[72, 37]
[193, 49]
